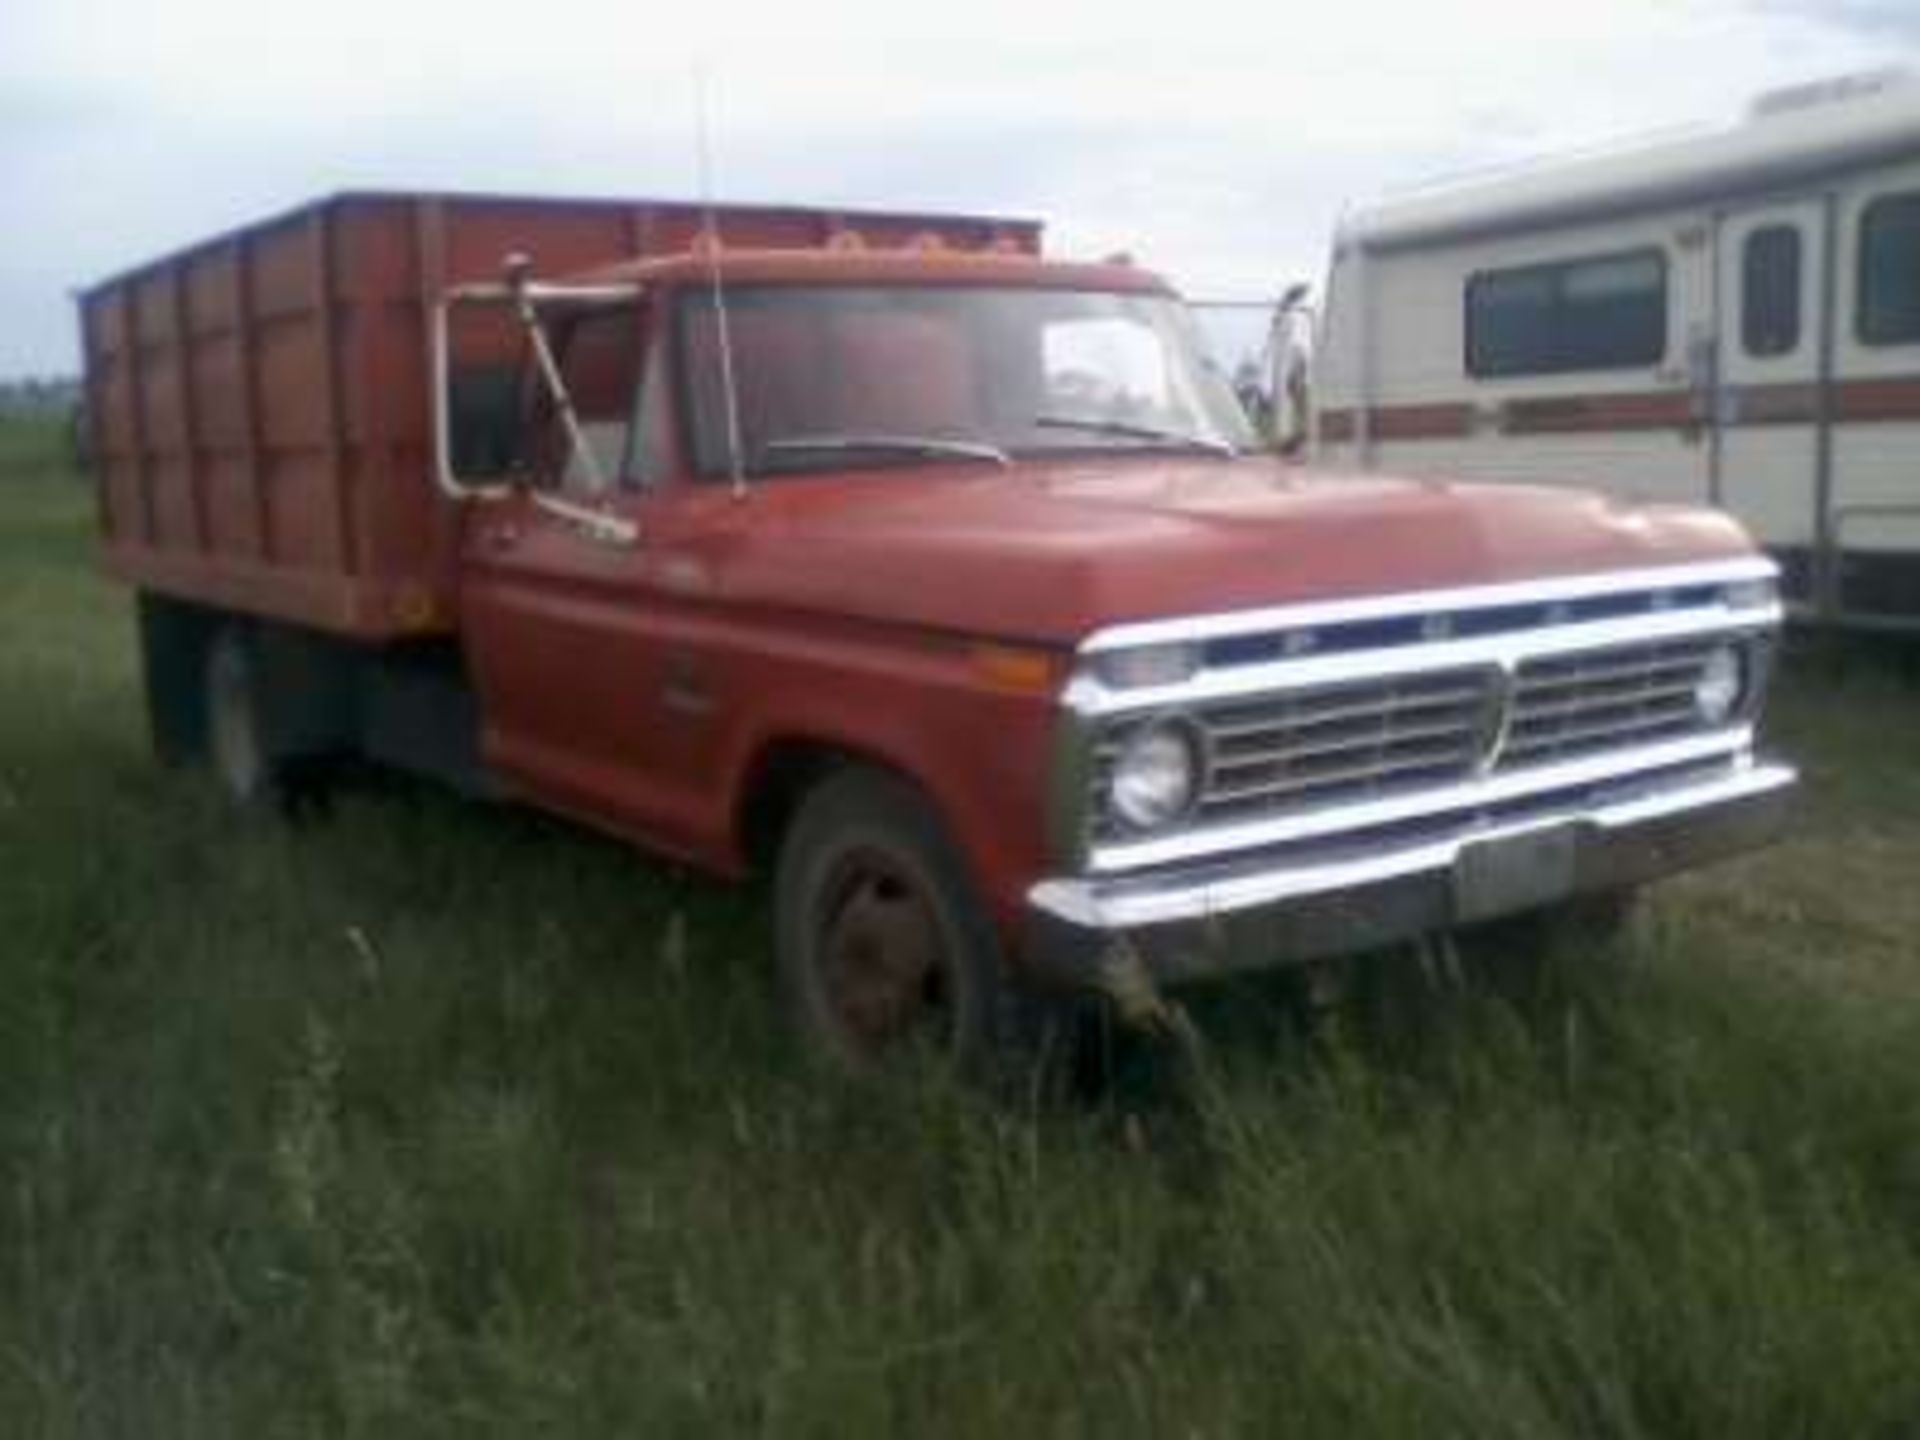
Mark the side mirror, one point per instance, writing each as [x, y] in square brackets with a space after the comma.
[487, 423]
[1290, 349]
[478, 425]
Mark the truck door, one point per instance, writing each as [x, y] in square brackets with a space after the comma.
[568, 623]
[1767, 409]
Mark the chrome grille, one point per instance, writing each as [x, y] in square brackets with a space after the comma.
[1325, 717]
[1331, 745]
[1568, 705]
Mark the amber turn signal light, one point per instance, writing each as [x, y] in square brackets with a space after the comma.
[1016, 670]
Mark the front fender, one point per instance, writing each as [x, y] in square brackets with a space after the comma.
[979, 752]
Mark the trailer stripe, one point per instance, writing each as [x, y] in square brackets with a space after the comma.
[1404, 422]
[1895, 398]
[1797, 403]
[1560, 414]
[1781, 404]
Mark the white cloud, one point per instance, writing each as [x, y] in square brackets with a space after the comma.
[1216, 141]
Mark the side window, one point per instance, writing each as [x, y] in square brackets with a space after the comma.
[599, 356]
[1889, 310]
[1770, 290]
[1603, 312]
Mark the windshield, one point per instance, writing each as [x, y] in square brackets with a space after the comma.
[832, 376]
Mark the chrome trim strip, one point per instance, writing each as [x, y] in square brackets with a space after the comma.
[1124, 906]
[1415, 602]
[1089, 696]
[1193, 844]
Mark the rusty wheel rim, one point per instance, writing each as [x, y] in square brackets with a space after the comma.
[883, 965]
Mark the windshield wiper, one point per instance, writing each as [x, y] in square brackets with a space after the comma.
[921, 445]
[1136, 432]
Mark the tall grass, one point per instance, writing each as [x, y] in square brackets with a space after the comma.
[428, 1118]
[35, 445]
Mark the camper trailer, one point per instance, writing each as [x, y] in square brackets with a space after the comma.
[1731, 318]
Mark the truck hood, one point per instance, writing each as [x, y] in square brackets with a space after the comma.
[1050, 553]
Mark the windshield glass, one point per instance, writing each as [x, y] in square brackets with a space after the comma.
[832, 376]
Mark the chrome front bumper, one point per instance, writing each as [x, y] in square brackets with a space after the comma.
[1254, 911]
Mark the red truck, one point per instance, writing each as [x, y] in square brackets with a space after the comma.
[942, 580]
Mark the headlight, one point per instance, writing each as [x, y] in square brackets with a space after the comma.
[1157, 774]
[1722, 685]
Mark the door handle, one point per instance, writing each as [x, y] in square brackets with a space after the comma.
[502, 538]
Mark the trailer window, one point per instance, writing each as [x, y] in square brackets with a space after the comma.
[1602, 312]
[1770, 290]
[1889, 311]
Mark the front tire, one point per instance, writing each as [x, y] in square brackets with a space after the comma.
[884, 944]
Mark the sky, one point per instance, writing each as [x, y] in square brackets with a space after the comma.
[1217, 143]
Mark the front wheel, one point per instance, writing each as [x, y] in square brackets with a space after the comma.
[884, 945]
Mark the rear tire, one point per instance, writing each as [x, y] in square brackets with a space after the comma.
[237, 743]
[883, 942]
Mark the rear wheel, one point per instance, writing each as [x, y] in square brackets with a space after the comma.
[884, 945]
[236, 738]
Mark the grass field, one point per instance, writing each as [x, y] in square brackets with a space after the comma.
[428, 1118]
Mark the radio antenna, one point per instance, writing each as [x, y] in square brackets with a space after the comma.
[729, 396]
